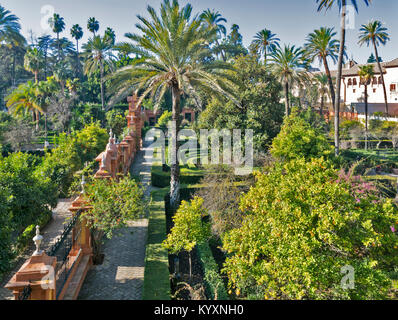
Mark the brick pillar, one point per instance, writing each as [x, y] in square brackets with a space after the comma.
[38, 273]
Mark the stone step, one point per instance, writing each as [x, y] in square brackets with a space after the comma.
[78, 278]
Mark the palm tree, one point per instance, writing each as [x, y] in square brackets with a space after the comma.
[322, 84]
[265, 41]
[77, 33]
[366, 74]
[23, 99]
[61, 74]
[172, 47]
[110, 33]
[321, 45]
[9, 24]
[44, 90]
[98, 54]
[93, 25]
[16, 43]
[374, 32]
[58, 25]
[342, 5]
[288, 66]
[213, 19]
[44, 44]
[34, 62]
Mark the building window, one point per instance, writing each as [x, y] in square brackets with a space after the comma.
[349, 82]
[393, 87]
[354, 82]
[354, 90]
[374, 82]
[380, 81]
[374, 90]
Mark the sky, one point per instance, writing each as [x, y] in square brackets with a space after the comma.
[291, 20]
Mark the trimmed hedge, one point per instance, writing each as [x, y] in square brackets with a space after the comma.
[213, 281]
[161, 179]
[156, 278]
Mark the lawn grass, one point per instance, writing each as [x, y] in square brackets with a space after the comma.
[156, 278]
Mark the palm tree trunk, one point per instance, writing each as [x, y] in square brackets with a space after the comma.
[174, 166]
[322, 103]
[382, 77]
[59, 51]
[366, 117]
[37, 119]
[286, 98]
[102, 87]
[338, 85]
[330, 80]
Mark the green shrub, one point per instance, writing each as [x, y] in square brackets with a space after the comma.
[213, 281]
[298, 139]
[164, 119]
[6, 252]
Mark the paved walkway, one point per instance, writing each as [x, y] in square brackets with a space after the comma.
[121, 276]
[50, 233]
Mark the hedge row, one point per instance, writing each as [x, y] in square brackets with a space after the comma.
[213, 282]
[156, 278]
[161, 179]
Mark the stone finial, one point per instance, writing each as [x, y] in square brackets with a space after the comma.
[103, 161]
[83, 183]
[37, 240]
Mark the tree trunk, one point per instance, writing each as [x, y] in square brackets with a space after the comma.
[366, 117]
[102, 87]
[174, 166]
[59, 50]
[330, 80]
[338, 85]
[190, 264]
[286, 98]
[322, 103]
[382, 78]
[37, 119]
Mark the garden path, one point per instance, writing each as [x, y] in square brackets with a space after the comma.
[121, 276]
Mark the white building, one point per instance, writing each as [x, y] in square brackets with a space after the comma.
[353, 93]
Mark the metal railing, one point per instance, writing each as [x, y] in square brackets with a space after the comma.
[25, 294]
[61, 250]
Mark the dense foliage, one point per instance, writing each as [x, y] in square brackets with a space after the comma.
[297, 236]
[259, 108]
[299, 139]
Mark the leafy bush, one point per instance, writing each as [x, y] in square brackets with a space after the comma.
[71, 154]
[298, 139]
[164, 119]
[6, 252]
[305, 221]
[31, 195]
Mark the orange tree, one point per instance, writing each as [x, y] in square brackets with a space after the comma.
[304, 222]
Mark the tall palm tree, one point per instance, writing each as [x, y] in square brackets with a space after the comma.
[288, 66]
[374, 32]
[93, 25]
[43, 91]
[16, 43]
[9, 24]
[265, 41]
[44, 44]
[342, 5]
[321, 45]
[61, 74]
[58, 25]
[77, 33]
[172, 47]
[322, 84]
[366, 74]
[214, 19]
[34, 62]
[98, 54]
[23, 99]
